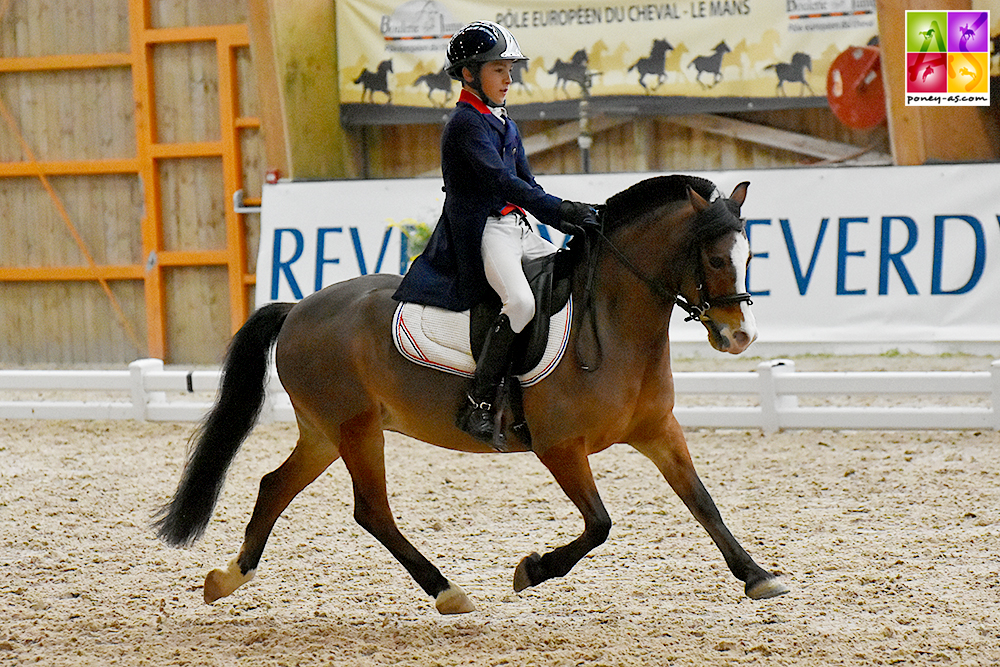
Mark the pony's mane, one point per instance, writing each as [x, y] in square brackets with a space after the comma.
[629, 205]
[652, 193]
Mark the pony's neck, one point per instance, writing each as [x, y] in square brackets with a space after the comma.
[658, 246]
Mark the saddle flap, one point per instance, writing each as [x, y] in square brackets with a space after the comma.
[550, 280]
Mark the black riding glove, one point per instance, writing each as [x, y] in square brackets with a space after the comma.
[577, 217]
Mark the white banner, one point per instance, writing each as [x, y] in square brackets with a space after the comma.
[881, 255]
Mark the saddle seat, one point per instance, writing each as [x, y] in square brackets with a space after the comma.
[450, 341]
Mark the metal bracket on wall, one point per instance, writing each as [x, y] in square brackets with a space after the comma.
[238, 204]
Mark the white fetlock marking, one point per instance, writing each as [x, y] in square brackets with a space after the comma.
[453, 600]
[220, 583]
[768, 588]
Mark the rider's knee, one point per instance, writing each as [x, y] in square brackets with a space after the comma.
[520, 310]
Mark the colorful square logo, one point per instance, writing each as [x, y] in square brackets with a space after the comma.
[947, 58]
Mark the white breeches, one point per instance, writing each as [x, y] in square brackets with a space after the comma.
[506, 244]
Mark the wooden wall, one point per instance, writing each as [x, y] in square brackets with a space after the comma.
[128, 125]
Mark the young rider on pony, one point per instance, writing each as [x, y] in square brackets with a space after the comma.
[483, 234]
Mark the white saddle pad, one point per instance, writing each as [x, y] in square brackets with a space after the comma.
[439, 339]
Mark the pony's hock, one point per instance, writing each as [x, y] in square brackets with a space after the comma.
[666, 241]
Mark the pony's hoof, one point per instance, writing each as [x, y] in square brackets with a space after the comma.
[220, 583]
[768, 588]
[522, 578]
[453, 600]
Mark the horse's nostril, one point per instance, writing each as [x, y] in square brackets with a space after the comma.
[742, 339]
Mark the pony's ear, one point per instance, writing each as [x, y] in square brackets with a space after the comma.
[740, 193]
[696, 200]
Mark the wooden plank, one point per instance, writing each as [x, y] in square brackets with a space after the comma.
[187, 98]
[766, 136]
[187, 149]
[197, 313]
[65, 62]
[67, 167]
[180, 14]
[192, 217]
[229, 110]
[69, 273]
[145, 129]
[193, 258]
[54, 322]
[268, 100]
[234, 34]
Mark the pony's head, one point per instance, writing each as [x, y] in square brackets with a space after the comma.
[716, 290]
[704, 266]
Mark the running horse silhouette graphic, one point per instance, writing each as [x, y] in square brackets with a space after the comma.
[575, 70]
[517, 75]
[376, 81]
[654, 64]
[436, 81]
[793, 72]
[711, 64]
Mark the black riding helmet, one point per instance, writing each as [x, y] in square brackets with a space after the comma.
[477, 43]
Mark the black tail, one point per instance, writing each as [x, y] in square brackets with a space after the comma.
[241, 397]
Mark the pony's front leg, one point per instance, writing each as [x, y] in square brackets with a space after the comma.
[571, 469]
[670, 454]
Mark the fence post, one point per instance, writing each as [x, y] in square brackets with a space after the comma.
[140, 397]
[771, 403]
[995, 394]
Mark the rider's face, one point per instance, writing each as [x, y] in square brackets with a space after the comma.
[495, 79]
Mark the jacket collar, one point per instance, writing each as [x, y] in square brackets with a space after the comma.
[472, 99]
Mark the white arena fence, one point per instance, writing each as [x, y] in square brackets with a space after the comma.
[149, 392]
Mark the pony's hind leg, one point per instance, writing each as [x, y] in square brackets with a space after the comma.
[313, 453]
[363, 451]
[671, 456]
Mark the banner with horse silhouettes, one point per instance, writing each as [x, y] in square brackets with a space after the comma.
[683, 56]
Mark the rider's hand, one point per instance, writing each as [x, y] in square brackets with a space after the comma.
[577, 217]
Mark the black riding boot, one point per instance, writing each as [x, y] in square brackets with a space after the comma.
[476, 416]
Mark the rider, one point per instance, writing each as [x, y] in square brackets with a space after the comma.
[483, 234]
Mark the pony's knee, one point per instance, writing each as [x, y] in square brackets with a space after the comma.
[364, 518]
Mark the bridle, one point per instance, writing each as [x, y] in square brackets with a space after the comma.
[696, 311]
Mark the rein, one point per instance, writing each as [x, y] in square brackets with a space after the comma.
[696, 311]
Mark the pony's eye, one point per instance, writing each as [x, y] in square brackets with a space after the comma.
[716, 262]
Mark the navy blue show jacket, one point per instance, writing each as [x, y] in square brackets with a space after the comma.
[484, 169]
